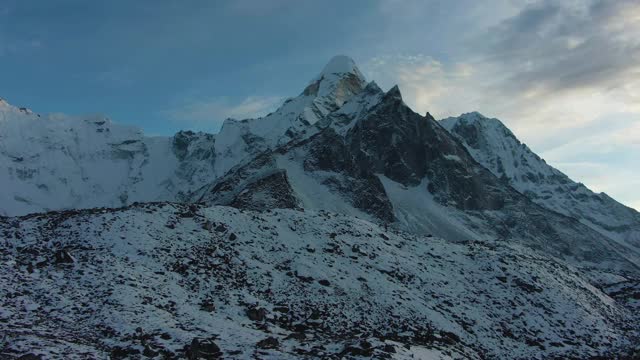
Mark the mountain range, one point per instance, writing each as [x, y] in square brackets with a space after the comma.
[343, 224]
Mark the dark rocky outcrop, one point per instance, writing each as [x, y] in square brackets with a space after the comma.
[268, 343]
[269, 192]
[407, 147]
[205, 349]
[186, 144]
[63, 257]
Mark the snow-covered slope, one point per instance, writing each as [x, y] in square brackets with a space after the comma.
[492, 144]
[151, 278]
[59, 162]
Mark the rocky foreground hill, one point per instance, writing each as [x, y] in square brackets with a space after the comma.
[169, 280]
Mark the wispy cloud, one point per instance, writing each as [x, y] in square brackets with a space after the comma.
[561, 74]
[554, 46]
[426, 83]
[604, 157]
[209, 113]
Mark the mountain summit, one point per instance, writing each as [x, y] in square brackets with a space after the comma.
[341, 64]
[338, 82]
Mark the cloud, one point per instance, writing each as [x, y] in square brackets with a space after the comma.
[562, 66]
[565, 76]
[208, 114]
[552, 46]
[426, 83]
[571, 60]
[605, 156]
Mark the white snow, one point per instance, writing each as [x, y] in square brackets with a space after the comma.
[133, 271]
[340, 64]
[418, 212]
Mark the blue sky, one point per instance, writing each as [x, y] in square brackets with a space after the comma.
[564, 75]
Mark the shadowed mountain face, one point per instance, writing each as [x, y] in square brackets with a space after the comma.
[407, 148]
[368, 190]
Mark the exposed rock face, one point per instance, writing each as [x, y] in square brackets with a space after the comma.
[203, 349]
[406, 147]
[259, 175]
[268, 343]
[270, 192]
[199, 146]
[330, 153]
[63, 257]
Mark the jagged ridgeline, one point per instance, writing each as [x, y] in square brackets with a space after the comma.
[343, 224]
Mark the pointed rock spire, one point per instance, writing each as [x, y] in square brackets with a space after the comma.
[394, 93]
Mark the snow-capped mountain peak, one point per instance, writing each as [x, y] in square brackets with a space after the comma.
[485, 134]
[341, 64]
[6, 107]
[339, 80]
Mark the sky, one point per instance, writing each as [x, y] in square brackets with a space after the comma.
[563, 75]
